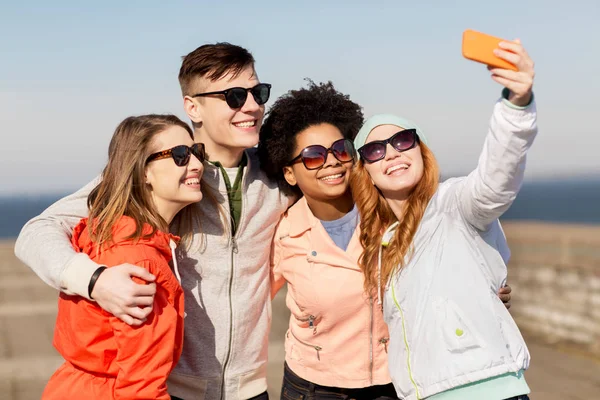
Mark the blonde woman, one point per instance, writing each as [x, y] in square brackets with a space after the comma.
[153, 172]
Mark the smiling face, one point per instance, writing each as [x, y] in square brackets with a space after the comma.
[173, 187]
[397, 174]
[324, 184]
[222, 129]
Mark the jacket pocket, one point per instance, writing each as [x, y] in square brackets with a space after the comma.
[316, 347]
[291, 391]
[290, 353]
[458, 333]
[288, 393]
[186, 386]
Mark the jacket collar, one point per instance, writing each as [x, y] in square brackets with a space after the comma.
[212, 173]
[301, 218]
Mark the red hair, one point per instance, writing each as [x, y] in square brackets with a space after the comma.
[377, 216]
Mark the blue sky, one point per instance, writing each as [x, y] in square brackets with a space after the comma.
[70, 72]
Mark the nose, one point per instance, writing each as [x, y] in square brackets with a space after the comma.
[250, 105]
[391, 152]
[195, 165]
[330, 159]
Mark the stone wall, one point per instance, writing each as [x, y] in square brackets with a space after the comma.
[555, 274]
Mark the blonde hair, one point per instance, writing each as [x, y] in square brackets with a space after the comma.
[377, 216]
[123, 190]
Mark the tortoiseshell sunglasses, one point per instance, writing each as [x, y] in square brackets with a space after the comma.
[180, 154]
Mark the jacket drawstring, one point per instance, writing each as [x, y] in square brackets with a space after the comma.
[173, 246]
[385, 241]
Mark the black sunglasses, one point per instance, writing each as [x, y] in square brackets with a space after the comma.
[315, 156]
[400, 141]
[236, 97]
[181, 154]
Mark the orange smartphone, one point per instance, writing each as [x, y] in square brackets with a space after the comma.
[477, 46]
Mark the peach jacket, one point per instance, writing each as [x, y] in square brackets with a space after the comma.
[336, 336]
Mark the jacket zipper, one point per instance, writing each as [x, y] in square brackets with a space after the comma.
[371, 341]
[410, 374]
[311, 322]
[234, 250]
[384, 341]
[316, 347]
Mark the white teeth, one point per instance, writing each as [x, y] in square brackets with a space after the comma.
[247, 124]
[192, 181]
[396, 168]
[331, 177]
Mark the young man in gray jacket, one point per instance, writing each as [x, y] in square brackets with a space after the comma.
[225, 275]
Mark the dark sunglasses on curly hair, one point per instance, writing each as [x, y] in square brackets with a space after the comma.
[236, 97]
[400, 141]
[315, 156]
[180, 154]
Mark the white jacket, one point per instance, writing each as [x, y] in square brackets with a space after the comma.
[447, 325]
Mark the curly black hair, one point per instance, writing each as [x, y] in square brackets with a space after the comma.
[295, 111]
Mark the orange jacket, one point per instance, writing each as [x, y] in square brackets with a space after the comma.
[105, 357]
[336, 336]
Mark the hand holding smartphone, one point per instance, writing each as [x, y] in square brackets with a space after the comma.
[510, 64]
[479, 47]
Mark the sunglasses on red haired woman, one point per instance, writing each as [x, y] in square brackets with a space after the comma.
[400, 141]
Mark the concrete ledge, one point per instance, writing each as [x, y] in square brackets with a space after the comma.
[555, 273]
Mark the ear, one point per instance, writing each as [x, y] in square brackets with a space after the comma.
[192, 109]
[148, 177]
[288, 174]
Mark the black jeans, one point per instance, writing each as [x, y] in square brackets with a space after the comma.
[262, 396]
[296, 388]
[523, 397]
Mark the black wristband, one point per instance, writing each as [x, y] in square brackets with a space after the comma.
[93, 279]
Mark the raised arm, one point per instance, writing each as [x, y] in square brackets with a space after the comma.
[492, 187]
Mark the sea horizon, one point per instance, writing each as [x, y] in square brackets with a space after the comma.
[567, 201]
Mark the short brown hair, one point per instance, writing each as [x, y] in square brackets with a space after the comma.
[213, 61]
